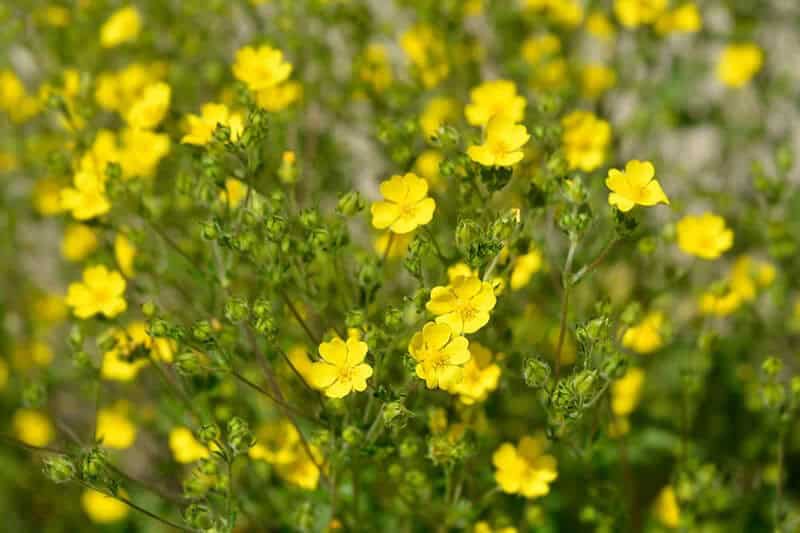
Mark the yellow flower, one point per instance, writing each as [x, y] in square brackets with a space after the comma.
[636, 185]
[185, 448]
[141, 152]
[149, 110]
[79, 241]
[536, 50]
[427, 51]
[201, 128]
[597, 79]
[50, 308]
[525, 266]
[114, 428]
[745, 277]
[32, 427]
[464, 305]
[261, 68]
[47, 197]
[440, 355]
[303, 471]
[496, 98]
[36, 351]
[124, 252]
[406, 205]
[399, 242]
[645, 337]
[598, 25]
[342, 369]
[635, 13]
[704, 236]
[87, 198]
[279, 97]
[53, 15]
[526, 469]
[666, 508]
[625, 392]
[102, 291]
[503, 144]
[122, 26]
[685, 18]
[298, 357]
[480, 376]
[720, 305]
[438, 111]
[738, 63]
[103, 509]
[585, 138]
[276, 443]
[427, 166]
[119, 363]
[375, 69]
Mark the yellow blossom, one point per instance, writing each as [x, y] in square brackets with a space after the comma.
[47, 197]
[427, 51]
[704, 236]
[103, 509]
[440, 355]
[54, 15]
[525, 266]
[666, 508]
[598, 25]
[464, 305]
[185, 448]
[298, 358]
[427, 166]
[406, 205]
[480, 376]
[141, 152]
[375, 69]
[596, 80]
[234, 193]
[121, 27]
[524, 469]
[540, 48]
[635, 13]
[119, 363]
[645, 337]
[114, 428]
[36, 351]
[79, 241]
[496, 98]
[14, 99]
[86, 199]
[201, 128]
[261, 68]
[738, 63]
[485, 527]
[50, 308]
[399, 243]
[636, 185]
[124, 253]
[625, 392]
[149, 110]
[585, 140]
[685, 18]
[33, 427]
[101, 292]
[279, 97]
[437, 112]
[277, 443]
[503, 144]
[342, 369]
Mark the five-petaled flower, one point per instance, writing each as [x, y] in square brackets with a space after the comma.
[526, 469]
[463, 305]
[704, 236]
[261, 68]
[636, 185]
[101, 291]
[440, 355]
[503, 144]
[201, 128]
[406, 205]
[342, 368]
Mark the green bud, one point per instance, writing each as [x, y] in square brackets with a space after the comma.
[266, 326]
[199, 517]
[236, 310]
[240, 439]
[149, 309]
[188, 364]
[495, 178]
[275, 227]
[355, 318]
[309, 218]
[772, 366]
[350, 203]
[536, 373]
[393, 318]
[584, 381]
[201, 331]
[59, 469]
[352, 435]
[209, 433]
[503, 227]
[395, 414]
[75, 337]
[34, 395]
[409, 447]
[113, 171]
[416, 478]
[93, 465]
[467, 232]
[158, 328]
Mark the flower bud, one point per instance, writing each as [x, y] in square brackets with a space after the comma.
[59, 469]
[93, 465]
[201, 331]
[352, 435]
[188, 364]
[350, 203]
[149, 309]
[536, 373]
[199, 517]
[240, 439]
[209, 433]
[236, 310]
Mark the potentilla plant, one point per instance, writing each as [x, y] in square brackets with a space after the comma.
[410, 265]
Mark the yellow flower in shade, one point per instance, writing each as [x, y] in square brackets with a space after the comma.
[114, 428]
[496, 98]
[503, 144]
[201, 128]
[438, 112]
[102, 509]
[480, 376]
[235, 191]
[185, 448]
[440, 355]
[121, 27]
[598, 25]
[427, 51]
[342, 369]
[744, 280]
[526, 469]
[277, 443]
[36, 352]
[279, 97]
[585, 139]
[32, 427]
[50, 308]
[375, 69]
[645, 337]
[485, 527]
[124, 252]
[666, 508]
[101, 292]
[704, 236]
[47, 197]
[148, 111]
[464, 305]
[399, 243]
[625, 392]
[87, 198]
[636, 185]
[141, 152]
[525, 266]
[738, 63]
[597, 79]
[14, 98]
[635, 13]
[406, 205]
[261, 68]
[685, 18]
[79, 241]
[427, 166]
[120, 363]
